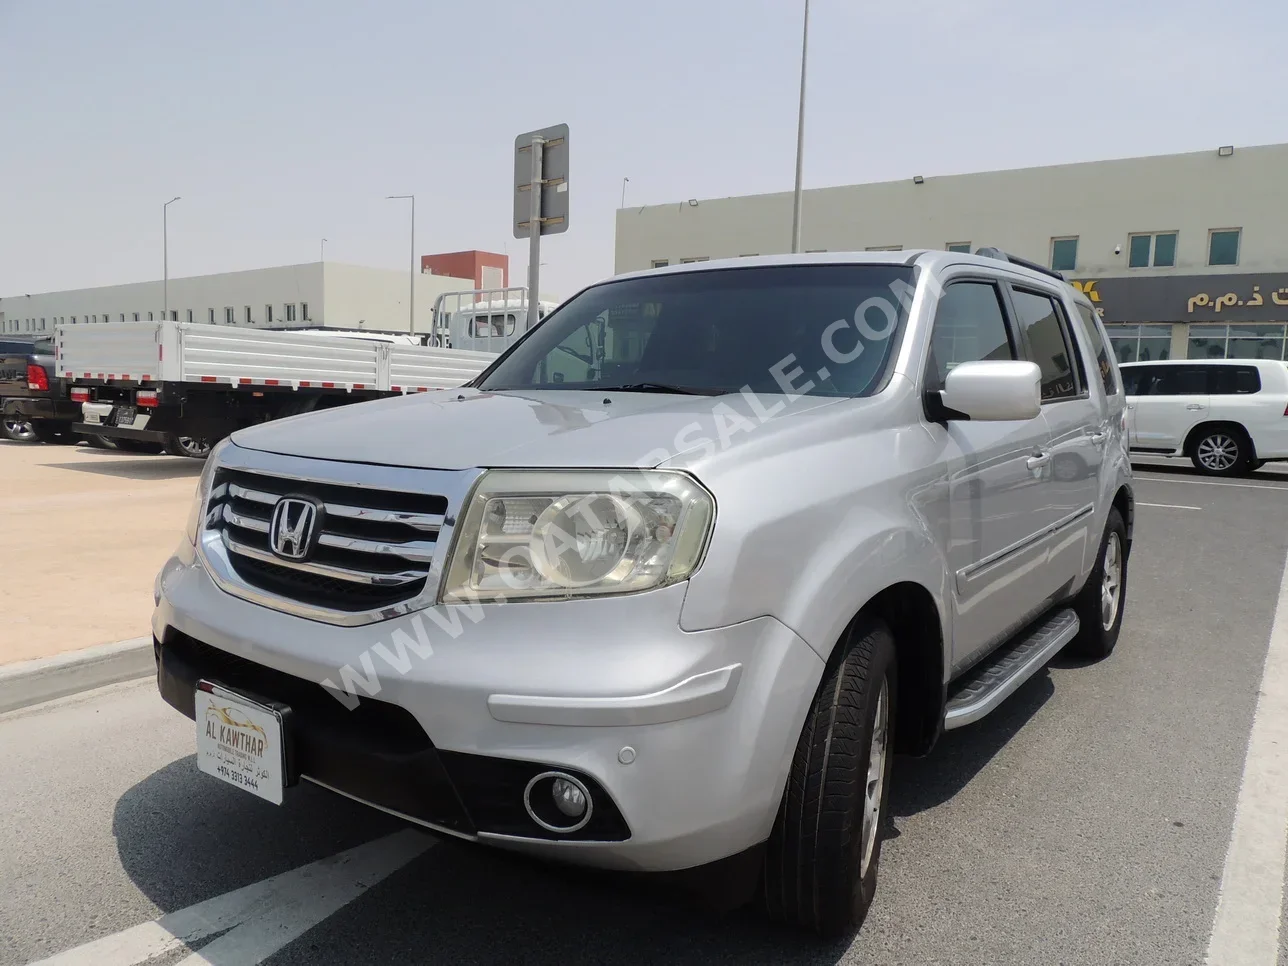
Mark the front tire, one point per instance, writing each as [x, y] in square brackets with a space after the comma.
[823, 854]
[1221, 451]
[1101, 602]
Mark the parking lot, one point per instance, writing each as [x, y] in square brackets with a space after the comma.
[1087, 821]
[83, 532]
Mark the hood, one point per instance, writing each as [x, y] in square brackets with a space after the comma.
[457, 429]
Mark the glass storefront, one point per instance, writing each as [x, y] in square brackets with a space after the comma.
[1236, 341]
[1150, 342]
[1141, 343]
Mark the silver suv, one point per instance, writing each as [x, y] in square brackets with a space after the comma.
[666, 587]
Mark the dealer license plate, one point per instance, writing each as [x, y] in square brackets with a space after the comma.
[240, 742]
[125, 415]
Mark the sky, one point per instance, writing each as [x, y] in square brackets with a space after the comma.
[281, 123]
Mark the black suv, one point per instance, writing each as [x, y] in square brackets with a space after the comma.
[33, 402]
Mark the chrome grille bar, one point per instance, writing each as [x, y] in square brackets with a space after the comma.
[324, 570]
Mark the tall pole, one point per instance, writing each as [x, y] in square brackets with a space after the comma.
[411, 300]
[800, 140]
[624, 182]
[534, 234]
[323, 250]
[165, 258]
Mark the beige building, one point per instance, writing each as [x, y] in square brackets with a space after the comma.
[330, 294]
[1186, 254]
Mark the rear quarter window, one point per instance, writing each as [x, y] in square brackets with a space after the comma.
[1235, 380]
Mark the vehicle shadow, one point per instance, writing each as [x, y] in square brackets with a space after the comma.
[149, 468]
[1271, 471]
[919, 784]
[183, 837]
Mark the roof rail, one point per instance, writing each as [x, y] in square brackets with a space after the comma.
[1016, 260]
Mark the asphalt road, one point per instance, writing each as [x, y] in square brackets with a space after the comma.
[1085, 822]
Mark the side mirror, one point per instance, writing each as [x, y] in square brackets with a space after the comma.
[994, 390]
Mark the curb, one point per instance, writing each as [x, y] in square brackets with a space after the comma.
[44, 679]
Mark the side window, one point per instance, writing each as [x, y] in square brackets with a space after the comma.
[1235, 380]
[1049, 343]
[1098, 348]
[970, 326]
[1136, 379]
[1178, 381]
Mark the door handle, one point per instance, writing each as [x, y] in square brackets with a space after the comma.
[1038, 461]
[1098, 438]
[1194, 406]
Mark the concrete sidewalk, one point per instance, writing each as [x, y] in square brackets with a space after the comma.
[83, 533]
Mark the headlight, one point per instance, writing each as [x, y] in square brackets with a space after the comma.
[556, 533]
[203, 490]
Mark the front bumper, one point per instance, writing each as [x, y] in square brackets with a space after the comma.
[683, 739]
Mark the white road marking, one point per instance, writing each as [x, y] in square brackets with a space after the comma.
[262, 917]
[1245, 486]
[1246, 929]
[1171, 506]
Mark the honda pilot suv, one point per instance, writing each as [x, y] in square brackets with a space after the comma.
[666, 587]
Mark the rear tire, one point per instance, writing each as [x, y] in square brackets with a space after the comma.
[192, 447]
[1101, 602]
[17, 429]
[823, 854]
[1221, 451]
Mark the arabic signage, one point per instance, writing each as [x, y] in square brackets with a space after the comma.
[1190, 298]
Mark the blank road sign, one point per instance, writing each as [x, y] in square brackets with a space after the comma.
[554, 175]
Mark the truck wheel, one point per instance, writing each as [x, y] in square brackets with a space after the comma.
[822, 856]
[1221, 451]
[100, 442]
[18, 429]
[1102, 600]
[193, 447]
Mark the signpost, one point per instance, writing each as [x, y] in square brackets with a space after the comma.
[540, 198]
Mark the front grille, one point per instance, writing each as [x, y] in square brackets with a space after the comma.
[374, 549]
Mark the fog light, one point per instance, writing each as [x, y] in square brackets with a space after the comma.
[558, 802]
[569, 799]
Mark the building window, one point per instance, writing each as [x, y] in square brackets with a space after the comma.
[188, 317]
[1158, 250]
[93, 318]
[884, 248]
[122, 316]
[230, 316]
[150, 319]
[1223, 246]
[304, 311]
[1064, 253]
[249, 320]
[211, 317]
[136, 316]
[661, 262]
[268, 314]
[42, 324]
[960, 248]
[687, 261]
[1236, 341]
[290, 311]
[1140, 343]
[73, 320]
[815, 251]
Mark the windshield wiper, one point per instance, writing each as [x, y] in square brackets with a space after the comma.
[662, 387]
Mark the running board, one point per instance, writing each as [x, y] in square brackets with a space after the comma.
[992, 682]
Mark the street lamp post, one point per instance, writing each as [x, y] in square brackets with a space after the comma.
[800, 140]
[624, 183]
[323, 250]
[165, 258]
[411, 299]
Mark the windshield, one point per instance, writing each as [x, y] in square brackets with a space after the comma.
[808, 329]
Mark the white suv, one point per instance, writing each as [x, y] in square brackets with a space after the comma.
[1229, 416]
